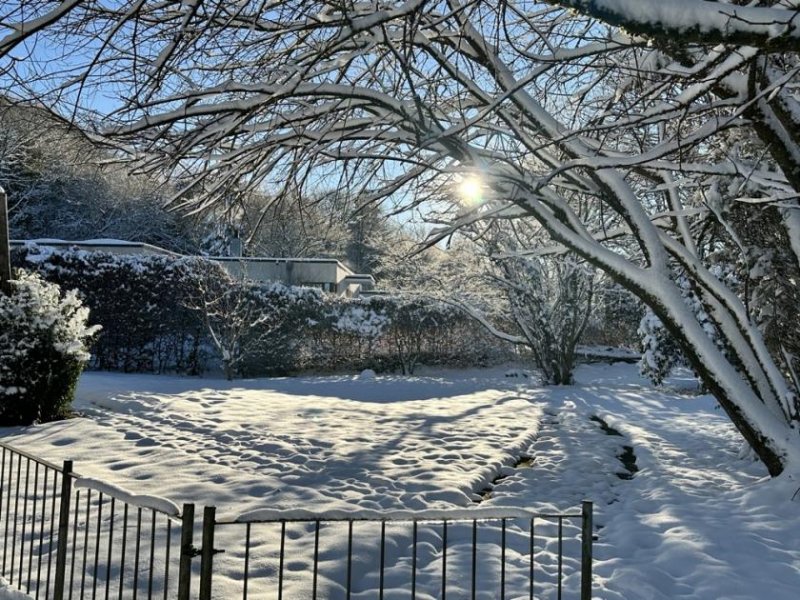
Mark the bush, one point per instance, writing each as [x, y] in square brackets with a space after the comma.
[277, 342]
[615, 319]
[660, 352]
[163, 313]
[256, 328]
[343, 335]
[398, 333]
[43, 349]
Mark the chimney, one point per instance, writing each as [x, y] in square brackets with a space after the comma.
[236, 248]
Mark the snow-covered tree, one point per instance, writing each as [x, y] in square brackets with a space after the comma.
[44, 340]
[550, 302]
[61, 185]
[623, 143]
[245, 320]
[541, 304]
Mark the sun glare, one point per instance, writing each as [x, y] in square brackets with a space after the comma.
[471, 190]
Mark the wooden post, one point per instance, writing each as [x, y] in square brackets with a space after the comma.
[586, 551]
[5, 250]
[187, 552]
[63, 530]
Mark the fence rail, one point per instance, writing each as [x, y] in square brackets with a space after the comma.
[68, 537]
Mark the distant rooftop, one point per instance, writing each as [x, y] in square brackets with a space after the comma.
[109, 242]
[119, 247]
[276, 259]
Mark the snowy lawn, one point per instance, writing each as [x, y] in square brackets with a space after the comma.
[694, 521]
[8, 592]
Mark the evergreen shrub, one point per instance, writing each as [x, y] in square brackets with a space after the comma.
[44, 340]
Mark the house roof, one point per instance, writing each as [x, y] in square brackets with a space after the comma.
[108, 243]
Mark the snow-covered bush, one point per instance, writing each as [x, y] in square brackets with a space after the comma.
[396, 333]
[258, 328]
[541, 304]
[414, 326]
[44, 340]
[423, 331]
[278, 343]
[615, 318]
[551, 301]
[344, 335]
[660, 352]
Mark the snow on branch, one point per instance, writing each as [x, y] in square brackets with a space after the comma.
[23, 29]
[697, 21]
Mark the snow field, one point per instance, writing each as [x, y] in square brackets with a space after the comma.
[7, 592]
[692, 520]
[395, 444]
[319, 443]
[695, 522]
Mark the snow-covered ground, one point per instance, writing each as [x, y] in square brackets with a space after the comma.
[7, 592]
[688, 519]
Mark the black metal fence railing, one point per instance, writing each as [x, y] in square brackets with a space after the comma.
[502, 554]
[117, 549]
[70, 537]
[65, 536]
[37, 502]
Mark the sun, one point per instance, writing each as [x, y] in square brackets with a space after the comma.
[470, 190]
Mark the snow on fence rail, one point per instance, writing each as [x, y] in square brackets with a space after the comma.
[67, 536]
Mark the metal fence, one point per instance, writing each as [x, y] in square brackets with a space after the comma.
[65, 537]
[432, 555]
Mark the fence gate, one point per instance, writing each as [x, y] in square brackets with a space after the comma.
[438, 553]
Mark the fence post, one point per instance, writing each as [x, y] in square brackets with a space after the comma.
[63, 530]
[586, 550]
[187, 552]
[207, 552]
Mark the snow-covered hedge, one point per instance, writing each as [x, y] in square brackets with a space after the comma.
[138, 301]
[162, 313]
[397, 333]
[262, 327]
[44, 340]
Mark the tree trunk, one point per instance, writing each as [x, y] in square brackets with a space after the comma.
[5, 250]
[736, 410]
[227, 368]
